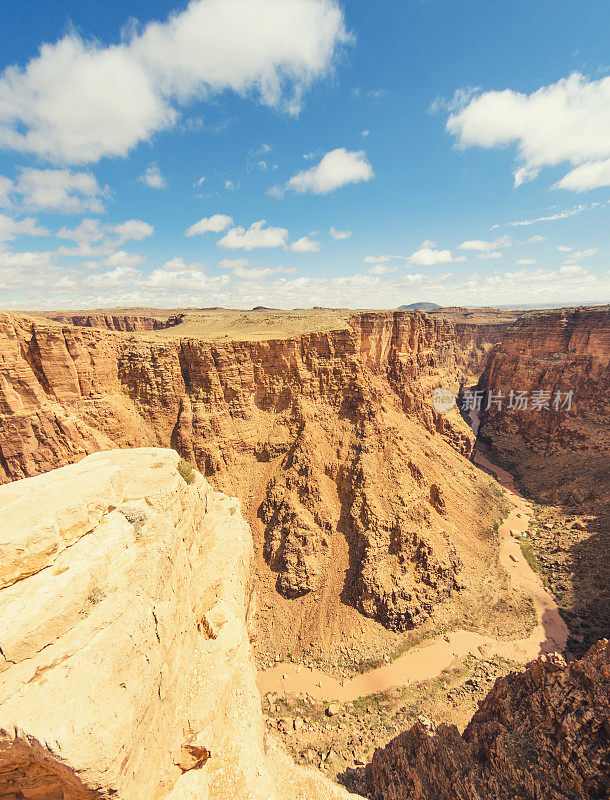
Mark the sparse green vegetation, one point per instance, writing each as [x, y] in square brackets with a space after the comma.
[529, 554]
[186, 470]
[96, 595]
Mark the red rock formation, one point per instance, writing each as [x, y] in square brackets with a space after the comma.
[117, 322]
[342, 418]
[558, 453]
[542, 733]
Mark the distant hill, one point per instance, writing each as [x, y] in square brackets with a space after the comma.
[419, 307]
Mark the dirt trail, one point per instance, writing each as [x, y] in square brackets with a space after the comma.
[427, 661]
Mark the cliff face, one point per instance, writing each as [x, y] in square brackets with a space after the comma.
[541, 733]
[474, 344]
[126, 662]
[330, 438]
[117, 322]
[559, 452]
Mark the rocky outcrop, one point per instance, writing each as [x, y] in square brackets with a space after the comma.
[542, 733]
[125, 654]
[333, 434]
[118, 322]
[559, 446]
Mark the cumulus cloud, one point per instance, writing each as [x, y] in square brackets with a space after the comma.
[526, 261]
[59, 190]
[566, 122]
[377, 259]
[77, 101]
[480, 245]
[381, 269]
[337, 168]
[305, 245]
[339, 235]
[10, 228]
[6, 187]
[123, 259]
[490, 254]
[428, 256]
[153, 177]
[233, 263]
[134, 230]
[256, 236]
[214, 224]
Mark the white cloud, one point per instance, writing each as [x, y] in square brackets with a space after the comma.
[536, 239]
[490, 254]
[365, 133]
[252, 273]
[566, 122]
[377, 259]
[232, 263]
[525, 175]
[525, 261]
[199, 182]
[77, 101]
[6, 187]
[337, 168]
[578, 255]
[60, 190]
[134, 230]
[563, 248]
[214, 224]
[256, 236]
[339, 235]
[153, 177]
[381, 269]
[230, 186]
[305, 245]
[592, 175]
[480, 245]
[10, 228]
[558, 215]
[124, 260]
[86, 232]
[571, 269]
[428, 256]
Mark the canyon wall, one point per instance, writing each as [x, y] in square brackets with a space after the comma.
[331, 440]
[540, 733]
[116, 321]
[126, 663]
[560, 450]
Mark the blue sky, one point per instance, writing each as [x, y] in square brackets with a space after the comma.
[304, 152]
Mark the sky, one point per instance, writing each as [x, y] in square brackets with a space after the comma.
[293, 153]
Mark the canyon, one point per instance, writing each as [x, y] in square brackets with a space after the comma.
[373, 552]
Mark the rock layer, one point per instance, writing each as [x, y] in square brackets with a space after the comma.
[333, 432]
[541, 733]
[126, 662]
[557, 453]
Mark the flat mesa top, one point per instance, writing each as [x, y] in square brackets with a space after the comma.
[257, 324]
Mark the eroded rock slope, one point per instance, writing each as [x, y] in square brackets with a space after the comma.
[542, 733]
[559, 451]
[355, 486]
[125, 657]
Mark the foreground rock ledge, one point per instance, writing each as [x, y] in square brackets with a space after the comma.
[126, 667]
[543, 733]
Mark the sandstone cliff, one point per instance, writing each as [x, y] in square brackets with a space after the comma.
[543, 733]
[557, 453]
[477, 330]
[359, 493]
[117, 322]
[125, 655]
